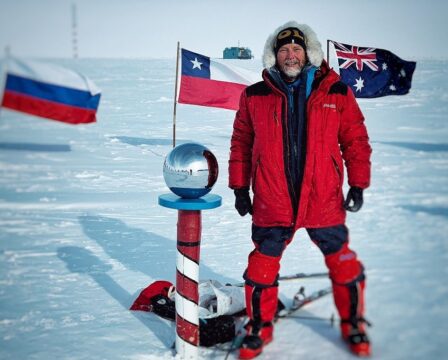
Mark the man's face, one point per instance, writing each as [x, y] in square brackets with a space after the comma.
[291, 59]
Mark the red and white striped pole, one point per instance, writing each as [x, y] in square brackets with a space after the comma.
[187, 279]
[189, 226]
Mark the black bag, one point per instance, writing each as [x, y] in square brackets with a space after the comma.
[216, 330]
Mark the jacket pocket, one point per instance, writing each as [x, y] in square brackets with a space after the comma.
[339, 175]
[276, 117]
[337, 169]
[254, 174]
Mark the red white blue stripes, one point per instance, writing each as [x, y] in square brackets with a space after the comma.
[50, 91]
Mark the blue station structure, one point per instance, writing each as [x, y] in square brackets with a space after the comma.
[237, 52]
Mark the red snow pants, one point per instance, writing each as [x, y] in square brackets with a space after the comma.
[261, 276]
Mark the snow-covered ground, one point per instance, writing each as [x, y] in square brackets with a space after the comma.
[82, 233]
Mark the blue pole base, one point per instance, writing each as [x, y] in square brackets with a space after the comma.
[206, 202]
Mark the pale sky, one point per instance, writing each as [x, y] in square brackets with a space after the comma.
[411, 29]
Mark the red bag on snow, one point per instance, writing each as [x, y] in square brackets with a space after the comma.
[156, 293]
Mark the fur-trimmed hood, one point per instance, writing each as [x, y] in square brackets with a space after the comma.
[313, 47]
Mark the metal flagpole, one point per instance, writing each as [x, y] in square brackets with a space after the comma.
[175, 95]
[328, 52]
[74, 32]
[4, 74]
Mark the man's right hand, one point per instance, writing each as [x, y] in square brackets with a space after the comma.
[243, 204]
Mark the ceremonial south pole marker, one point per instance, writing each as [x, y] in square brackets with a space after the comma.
[190, 171]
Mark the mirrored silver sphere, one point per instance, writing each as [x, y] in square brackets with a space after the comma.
[190, 170]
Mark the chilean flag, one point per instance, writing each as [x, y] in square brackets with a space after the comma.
[50, 91]
[212, 83]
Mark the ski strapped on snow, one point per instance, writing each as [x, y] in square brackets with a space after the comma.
[295, 277]
[300, 300]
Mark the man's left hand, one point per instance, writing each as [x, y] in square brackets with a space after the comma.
[354, 199]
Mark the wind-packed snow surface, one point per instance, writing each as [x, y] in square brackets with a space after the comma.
[82, 233]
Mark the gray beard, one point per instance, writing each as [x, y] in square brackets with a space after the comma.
[291, 74]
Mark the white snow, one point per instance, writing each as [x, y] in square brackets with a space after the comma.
[81, 232]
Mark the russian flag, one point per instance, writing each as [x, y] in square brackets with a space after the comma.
[207, 82]
[50, 91]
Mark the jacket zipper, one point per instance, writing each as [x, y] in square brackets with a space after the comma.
[292, 193]
[338, 173]
[254, 177]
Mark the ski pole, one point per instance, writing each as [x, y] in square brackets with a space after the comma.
[293, 277]
[303, 276]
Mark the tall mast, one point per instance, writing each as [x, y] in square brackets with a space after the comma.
[74, 32]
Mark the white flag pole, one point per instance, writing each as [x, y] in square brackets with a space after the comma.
[175, 95]
[3, 75]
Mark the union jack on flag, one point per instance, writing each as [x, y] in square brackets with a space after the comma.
[372, 72]
[356, 55]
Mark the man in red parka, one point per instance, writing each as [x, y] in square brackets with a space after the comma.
[292, 135]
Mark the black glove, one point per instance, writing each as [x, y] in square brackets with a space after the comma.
[243, 204]
[354, 195]
[163, 306]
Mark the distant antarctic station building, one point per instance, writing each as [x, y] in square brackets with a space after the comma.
[237, 52]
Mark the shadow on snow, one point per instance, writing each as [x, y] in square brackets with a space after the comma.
[136, 249]
[83, 261]
[139, 250]
[35, 147]
[324, 328]
[434, 210]
[425, 147]
[137, 141]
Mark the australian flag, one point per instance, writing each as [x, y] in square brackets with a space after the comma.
[373, 72]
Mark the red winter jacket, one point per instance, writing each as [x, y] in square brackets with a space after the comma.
[259, 147]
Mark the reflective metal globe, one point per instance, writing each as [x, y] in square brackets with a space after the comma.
[190, 170]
